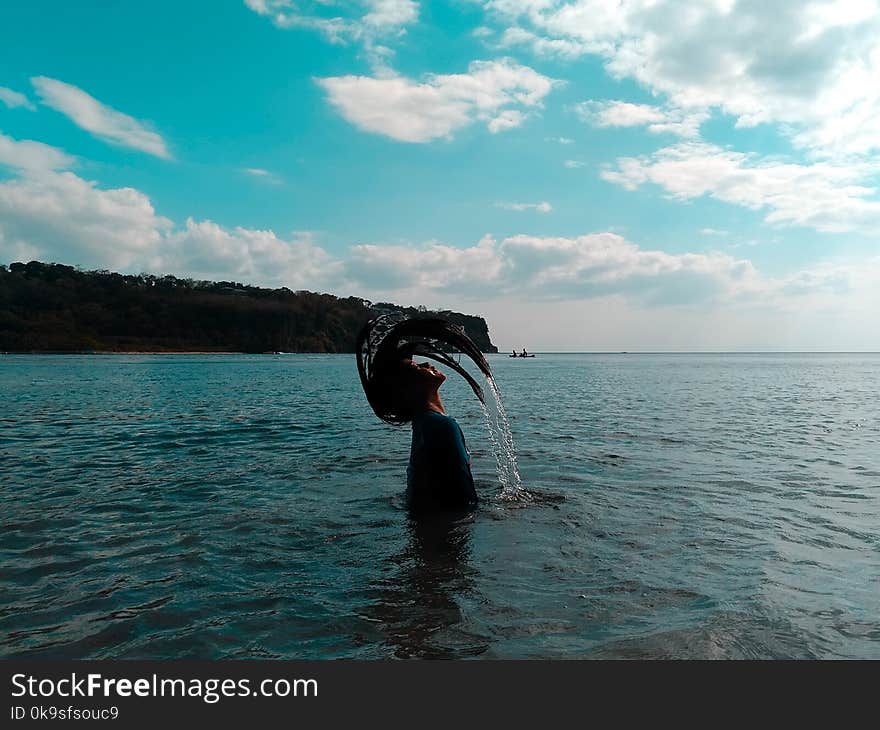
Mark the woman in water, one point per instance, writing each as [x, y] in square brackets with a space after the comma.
[438, 476]
[402, 391]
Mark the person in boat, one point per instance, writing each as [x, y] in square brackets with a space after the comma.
[524, 353]
[401, 390]
[513, 354]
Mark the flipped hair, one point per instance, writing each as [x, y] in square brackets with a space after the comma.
[387, 340]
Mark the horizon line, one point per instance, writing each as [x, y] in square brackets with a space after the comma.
[695, 352]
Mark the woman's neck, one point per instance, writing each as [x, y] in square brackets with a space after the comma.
[434, 404]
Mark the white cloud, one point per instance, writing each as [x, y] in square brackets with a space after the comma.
[265, 7]
[605, 263]
[61, 217]
[823, 195]
[541, 45]
[49, 213]
[539, 291]
[286, 14]
[543, 207]
[14, 99]
[534, 267]
[206, 250]
[826, 319]
[432, 267]
[713, 232]
[657, 120]
[372, 21]
[508, 119]
[391, 13]
[30, 156]
[574, 164]
[384, 15]
[261, 174]
[514, 283]
[619, 113]
[410, 111]
[559, 140]
[810, 65]
[90, 114]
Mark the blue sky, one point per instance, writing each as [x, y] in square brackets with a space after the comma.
[588, 174]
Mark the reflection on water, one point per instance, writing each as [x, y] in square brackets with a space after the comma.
[250, 506]
[417, 607]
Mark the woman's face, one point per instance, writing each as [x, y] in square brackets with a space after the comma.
[422, 374]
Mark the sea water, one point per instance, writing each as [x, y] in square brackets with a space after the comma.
[707, 506]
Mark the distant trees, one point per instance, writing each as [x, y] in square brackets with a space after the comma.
[57, 308]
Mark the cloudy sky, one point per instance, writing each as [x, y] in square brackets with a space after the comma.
[587, 174]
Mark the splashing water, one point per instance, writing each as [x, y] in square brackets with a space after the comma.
[502, 444]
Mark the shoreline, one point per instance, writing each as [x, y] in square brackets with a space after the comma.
[141, 352]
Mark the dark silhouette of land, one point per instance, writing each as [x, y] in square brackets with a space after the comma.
[57, 308]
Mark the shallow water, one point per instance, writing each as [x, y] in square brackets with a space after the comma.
[250, 506]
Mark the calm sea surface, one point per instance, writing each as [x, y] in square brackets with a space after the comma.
[711, 506]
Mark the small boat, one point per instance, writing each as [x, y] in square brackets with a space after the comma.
[520, 356]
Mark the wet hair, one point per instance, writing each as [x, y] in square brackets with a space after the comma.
[386, 341]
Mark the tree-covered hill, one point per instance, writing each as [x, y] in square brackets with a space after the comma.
[57, 308]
